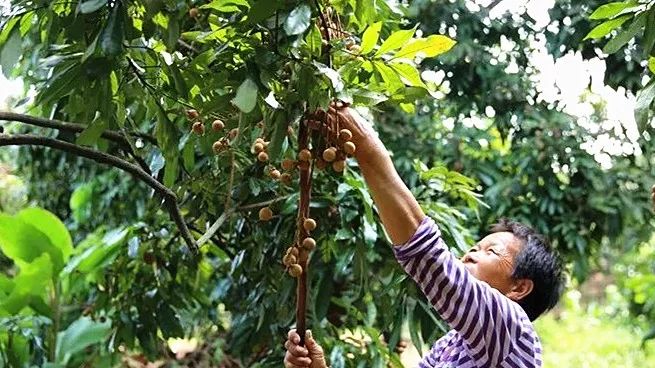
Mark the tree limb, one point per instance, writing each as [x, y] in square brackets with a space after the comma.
[170, 199]
[69, 127]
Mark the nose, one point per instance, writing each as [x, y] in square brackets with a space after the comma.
[469, 257]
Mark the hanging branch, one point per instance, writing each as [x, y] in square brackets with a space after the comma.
[70, 127]
[170, 199]
[326, 27]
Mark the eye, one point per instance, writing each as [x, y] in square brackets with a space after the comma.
[492, 250]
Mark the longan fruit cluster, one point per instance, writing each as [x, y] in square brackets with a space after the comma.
[198, 128]
[293, 253]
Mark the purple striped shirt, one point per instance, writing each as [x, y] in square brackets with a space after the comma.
[488, 329]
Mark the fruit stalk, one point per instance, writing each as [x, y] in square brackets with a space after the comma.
[303, 213]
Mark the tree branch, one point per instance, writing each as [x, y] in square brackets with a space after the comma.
[170, 199]
[69, 127]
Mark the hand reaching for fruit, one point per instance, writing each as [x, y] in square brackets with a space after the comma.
[311, 355]
[360, 131]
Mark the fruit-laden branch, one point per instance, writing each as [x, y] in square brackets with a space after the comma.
[70, 127]
[170, 199]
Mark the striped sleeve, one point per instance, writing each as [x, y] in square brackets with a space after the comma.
[486, 319]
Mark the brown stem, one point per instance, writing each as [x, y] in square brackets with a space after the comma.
[170, 199]
[303, 213]
[70, 127]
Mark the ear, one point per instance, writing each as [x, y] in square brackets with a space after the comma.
[520, 289]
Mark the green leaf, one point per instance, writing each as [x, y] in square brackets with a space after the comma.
[111, 38]
[616, 43]
[79, 335]
[611, 10]
[365, 11]
[23, 242]
[90, 6]
[314, 41]
[31, 283]
[409, 73]
[246, 98]
[605, 28]
[51, 226]
[92, 133]
[281, 123]
[298, 20]
[80, 202]
[427, 47]
[391, 78]
[649, 33]
[10, 54]
[332, 75]
[651, 64]
[370, 37]
[395, 41]
[642, 106]
[227, 6]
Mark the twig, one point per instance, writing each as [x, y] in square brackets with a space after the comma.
[170, 199]
[70, 127]
[186, 45]
[327, 34]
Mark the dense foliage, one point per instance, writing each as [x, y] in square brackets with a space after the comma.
[491, 145]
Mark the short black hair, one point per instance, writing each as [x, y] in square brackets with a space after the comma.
[539, 262]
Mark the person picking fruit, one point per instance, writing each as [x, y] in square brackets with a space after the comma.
[489, 297]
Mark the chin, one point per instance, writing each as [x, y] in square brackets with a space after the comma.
[471, 269]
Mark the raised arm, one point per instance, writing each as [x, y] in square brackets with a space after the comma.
[486, 319]
[398, 209]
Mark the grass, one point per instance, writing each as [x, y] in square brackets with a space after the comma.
[590, 337]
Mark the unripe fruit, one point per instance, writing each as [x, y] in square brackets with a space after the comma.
[218, 146]
[293, 251]
[339, 166]
[265, 214]
[349, 148]
[309, 224]
[305, 155]
[309, 243]
[288, 165]
[198, 128]
[345, 135]
[262, 156]
[295, 270]
[286, 179]
[258, 147]
[218, 125]
[193, 12]
[274, 174]
[289, 260]
[192, 114]
[330, 154]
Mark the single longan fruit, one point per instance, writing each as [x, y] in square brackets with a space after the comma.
[262, 156]
[309, 243]
[198, 128]
[293, 251]
[218, 146]
[193, 12]
[349, 148]
[286, 179]
[274, 174]
[304, 155]
[258, 147]
[288, 165]
[330, 154]
[218, 125]
[233, 133]
[265, 214]
[192, 114]
[259, 140]
[321, 164]
[345, 135]
[289, 260]
[339, 166]
[295, 270]
[309, 224]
